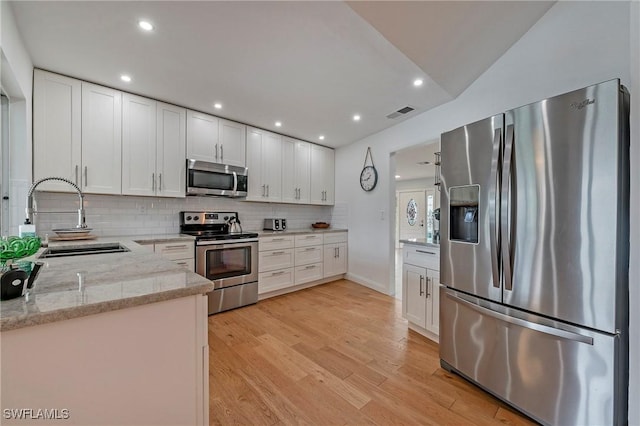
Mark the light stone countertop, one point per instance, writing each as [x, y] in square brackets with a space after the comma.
[426, 242]
[76, 286]
[300, 231]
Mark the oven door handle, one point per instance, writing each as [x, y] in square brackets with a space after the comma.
[230, 243]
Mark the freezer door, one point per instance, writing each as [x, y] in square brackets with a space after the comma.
[565, 207]
[469, 231]
[557, 374]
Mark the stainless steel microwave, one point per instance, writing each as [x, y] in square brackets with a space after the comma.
[204, 178]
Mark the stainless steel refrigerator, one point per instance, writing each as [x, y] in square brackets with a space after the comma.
[534, 256]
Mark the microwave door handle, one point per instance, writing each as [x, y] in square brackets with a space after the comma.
[494, 206]
[235, 182]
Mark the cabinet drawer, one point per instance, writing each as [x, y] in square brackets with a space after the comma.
[427, 257]
[308, 255]
[305, 240]
[304, 274]
[275, 242]
[275, 280]
[277, 259]
[176, 250]
[187, 264]
[335, 237]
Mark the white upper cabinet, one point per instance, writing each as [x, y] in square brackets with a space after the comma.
[233, 142]
[203, 139]
[101, 139]
[56, 129]
[264, 161]
[153, 148]
[295, 171]
[171, 150]
[322, 175]
[138, 145]
[215, 140]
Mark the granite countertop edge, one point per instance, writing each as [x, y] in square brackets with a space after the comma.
[265, 233]
[32, 319]
[420, 242]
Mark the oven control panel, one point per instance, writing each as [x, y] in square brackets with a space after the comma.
[207, 218]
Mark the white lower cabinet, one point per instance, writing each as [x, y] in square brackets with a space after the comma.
[420, 290]
[181, 252]
[288, 261]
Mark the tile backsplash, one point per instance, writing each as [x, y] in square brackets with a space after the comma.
[110, 215]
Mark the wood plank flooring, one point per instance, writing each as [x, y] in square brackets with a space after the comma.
[335, 354]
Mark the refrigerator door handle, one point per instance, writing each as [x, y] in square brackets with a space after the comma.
[505, 209]
[494, 206]
[563, 334]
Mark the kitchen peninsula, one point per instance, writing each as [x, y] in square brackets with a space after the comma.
[117, 338]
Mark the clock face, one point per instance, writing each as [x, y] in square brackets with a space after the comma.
[368, 178]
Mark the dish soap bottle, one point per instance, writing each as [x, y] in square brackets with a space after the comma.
[27, 230]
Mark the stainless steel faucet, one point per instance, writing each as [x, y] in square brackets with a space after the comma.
[29, 210]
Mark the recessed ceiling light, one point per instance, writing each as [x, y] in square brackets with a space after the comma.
[125, 78]
[356, 117]
[278, 124]
[217, 105]
[398, 176]
[145, 25]
[321, 137]
[417, 82]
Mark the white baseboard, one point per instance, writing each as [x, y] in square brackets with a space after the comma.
[368, 283]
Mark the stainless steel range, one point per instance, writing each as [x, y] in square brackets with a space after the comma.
[228, 259]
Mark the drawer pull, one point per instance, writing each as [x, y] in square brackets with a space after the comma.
[426, 252]
[276, 253]
[277, 273]
[173, 247]
[310, 267]
[277, 239]
[308, 237]
[311, 249]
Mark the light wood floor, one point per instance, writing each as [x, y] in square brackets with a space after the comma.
[336, 354]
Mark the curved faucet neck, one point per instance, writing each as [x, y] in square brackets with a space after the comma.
[29, 210]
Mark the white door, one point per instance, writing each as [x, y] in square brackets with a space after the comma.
[233, 138]
[138, 145]
[101, 139]
[56, 129]
[272, 166]
[411, 206]
[413, 293]
[171, 162]
[202, 137]
[257, 187]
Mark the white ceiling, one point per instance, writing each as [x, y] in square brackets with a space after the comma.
[311, 65]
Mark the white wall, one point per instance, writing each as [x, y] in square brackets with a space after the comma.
[574, 45]
[17, 73]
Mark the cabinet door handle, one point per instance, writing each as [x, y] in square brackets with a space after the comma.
[76, 182]
[421, 283]
[160, 182]
[153, 181]
[216, 151]
[86, 181]
[263, 189]
[428, 287]
[267, 191]
[221, 153]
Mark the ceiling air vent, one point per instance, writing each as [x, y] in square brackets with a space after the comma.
[400, 112]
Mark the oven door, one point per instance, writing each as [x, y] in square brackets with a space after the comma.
[227, 263]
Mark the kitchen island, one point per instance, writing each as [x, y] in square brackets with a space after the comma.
[118, 338]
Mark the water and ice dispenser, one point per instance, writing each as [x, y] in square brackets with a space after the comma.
[463, 211]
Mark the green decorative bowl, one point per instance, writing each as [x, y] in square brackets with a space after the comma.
[17, 248]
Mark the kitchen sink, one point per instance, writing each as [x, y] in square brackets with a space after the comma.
[83, 250]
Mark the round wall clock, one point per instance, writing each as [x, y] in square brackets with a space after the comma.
[369, 174]
[368, 178]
